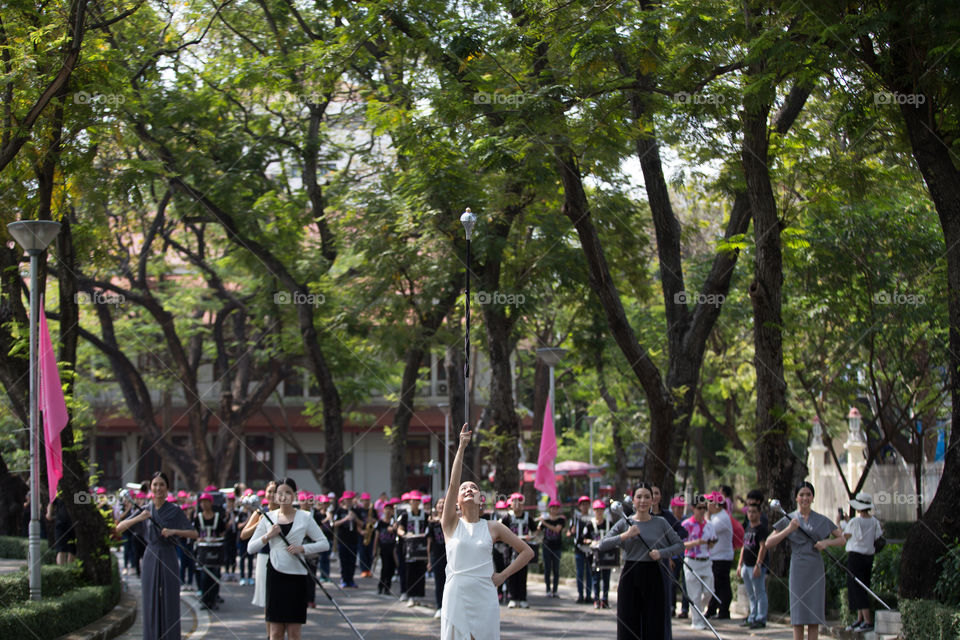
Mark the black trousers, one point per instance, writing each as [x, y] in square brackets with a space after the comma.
[641, 602]
[209, 586]
[721, 586]
[416, 578]
[438, 564]
[517, 585]
[348, 561]
[861, 566]
[387, 568]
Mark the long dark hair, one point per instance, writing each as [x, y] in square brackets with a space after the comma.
[804, 485]
[160, 474]
[290, 482]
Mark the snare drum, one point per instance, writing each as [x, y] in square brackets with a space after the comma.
[415, 547]
[609, 559]
[210, 552]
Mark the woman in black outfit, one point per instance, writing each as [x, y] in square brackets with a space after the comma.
[286, 574]
[385, 540]
[437, 555]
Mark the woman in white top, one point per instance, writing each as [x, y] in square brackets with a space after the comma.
[470, 609]
[260, 571]
[861, 532]
[287, 574]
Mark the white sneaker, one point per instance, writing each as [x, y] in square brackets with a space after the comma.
[438, 613]
[403, 597]
[523, 604]
[411, 603]
[512, 604]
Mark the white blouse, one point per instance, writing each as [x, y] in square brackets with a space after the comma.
[304, 526]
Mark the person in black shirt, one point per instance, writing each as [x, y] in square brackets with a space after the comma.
[211, 523]
[348, 524]
[751, 568]
[412, 527]
[583, 533]
[385, 540]
[519, 522]
[64, 531]
[552, 528]
[437, 554]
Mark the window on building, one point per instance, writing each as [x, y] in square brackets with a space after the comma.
[304, 460]
[259, 454]
[293, 385]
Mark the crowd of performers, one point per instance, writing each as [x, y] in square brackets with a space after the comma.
[279, 541]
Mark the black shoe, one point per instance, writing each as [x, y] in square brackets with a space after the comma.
[758, 625]
[683, 614]
[746, 623]
[723, 616]
[712, 616]
[579, 599]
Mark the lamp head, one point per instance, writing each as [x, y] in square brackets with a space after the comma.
[468, 220]
[34, 235]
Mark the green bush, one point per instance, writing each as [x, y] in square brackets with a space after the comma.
[884, 581]
[948, 585]
[778, 594]
[54, 581]
[13, 548]
[930, 620]
[58, 614]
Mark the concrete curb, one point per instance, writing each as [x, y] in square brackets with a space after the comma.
[120, 618]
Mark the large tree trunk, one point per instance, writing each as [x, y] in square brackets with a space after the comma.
[774, 460]
[504, 434]
[926, 542]
[401, 421]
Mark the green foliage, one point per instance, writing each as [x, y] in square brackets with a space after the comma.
[884, 580]
[947, 588]
[929, 619]
[17, 548]
[54, 581]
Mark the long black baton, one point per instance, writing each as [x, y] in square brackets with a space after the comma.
[178, 544]
[313, 575]
[776, 505]
[617, 509]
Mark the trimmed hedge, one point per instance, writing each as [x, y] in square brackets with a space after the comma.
[929, 619]
[15, 548]
[59, 614]
[54, 581]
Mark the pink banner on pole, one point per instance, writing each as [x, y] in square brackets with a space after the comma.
[546, 480]
[53, 406]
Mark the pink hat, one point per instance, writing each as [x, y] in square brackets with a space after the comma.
[598, 504]
[192, 504]
[716, 496]
[415, 495]
[583, 499]
[302, 496]
[205, 496]
[210, 488]
[261, 493]
[404, 497]
[171, 498]
[309, 496]
[101, 491]
[393, 501]
[516, 496]
[248, 492]
[364, 496]
[347, 495]
[554, 503]
[322, 499]
[678, 502]
[265, 502]
[181, 494]
[427, 499]
[139, 495]
[501, 504]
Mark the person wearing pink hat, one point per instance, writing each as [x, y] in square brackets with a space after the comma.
[700, 537]
[470, 607]
[211, 523]
[523, 525]
[348, 523]
[583, 534]
[601, 563]
[365, 549]
[323, 515]
[551, 526]
[385, 542]
[412, 529]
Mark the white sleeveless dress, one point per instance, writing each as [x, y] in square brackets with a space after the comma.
[470, 605]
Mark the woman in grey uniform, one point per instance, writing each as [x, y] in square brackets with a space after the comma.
[807, 582]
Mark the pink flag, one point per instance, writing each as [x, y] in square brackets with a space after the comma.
[52, 404]
[546, 481]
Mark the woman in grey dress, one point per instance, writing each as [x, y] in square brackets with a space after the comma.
[160, 575]
[807, 581]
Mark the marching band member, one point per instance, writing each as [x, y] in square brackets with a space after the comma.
[412, 527]
[583, 533]
[601, 527]
[286, 609]
[437, 554]
[385, 539]
[552, 529]
[211, 523]
[347, 523]
[365, 549]
[641, 599]
[500, 549]
[520, 523]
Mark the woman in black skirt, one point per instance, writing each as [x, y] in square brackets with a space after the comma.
[286, 575]
[641, 600]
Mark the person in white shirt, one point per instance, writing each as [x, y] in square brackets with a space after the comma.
[286, 570]
[721, 556]
[861, 533]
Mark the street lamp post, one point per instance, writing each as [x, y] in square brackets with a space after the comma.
[34, 236]
[468, 220]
